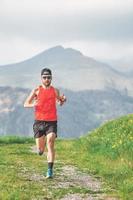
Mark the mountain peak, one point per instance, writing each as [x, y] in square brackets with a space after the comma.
[58, 48]
[63, 51]
[73, 52]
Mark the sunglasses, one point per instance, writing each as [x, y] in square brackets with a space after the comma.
[46, 77]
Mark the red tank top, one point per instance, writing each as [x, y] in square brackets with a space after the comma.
[45, 109]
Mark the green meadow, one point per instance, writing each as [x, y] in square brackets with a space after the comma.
[106, 153]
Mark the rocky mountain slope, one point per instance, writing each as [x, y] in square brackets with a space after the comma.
[84, 111]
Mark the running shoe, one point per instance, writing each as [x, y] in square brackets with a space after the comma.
[49, 173]
[40, 153]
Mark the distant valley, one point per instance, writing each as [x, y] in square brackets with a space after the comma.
[84, 111]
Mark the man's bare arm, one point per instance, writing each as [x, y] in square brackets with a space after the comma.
[30, 101]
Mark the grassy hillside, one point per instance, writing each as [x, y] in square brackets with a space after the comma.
[106, 153]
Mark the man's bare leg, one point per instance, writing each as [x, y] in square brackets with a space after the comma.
[40, 144]
[51, 153]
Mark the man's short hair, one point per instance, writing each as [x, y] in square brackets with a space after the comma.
[46, 71]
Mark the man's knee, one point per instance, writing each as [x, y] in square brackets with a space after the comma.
[50, 139]
[51, 136]
[50, 142]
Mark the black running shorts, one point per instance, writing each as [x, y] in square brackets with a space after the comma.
[41, 128]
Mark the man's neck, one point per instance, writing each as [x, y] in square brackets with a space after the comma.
[46, 87]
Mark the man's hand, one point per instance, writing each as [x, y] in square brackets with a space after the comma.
[62, 99]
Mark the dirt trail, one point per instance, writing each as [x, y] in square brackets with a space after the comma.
[70, 177]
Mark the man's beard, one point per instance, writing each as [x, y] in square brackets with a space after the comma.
[47, 84]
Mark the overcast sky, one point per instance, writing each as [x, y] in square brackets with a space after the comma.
[102, 29]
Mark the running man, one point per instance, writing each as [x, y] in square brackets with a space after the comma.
[43, 99]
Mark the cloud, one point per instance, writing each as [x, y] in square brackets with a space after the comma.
[32, 25]
[69, 26]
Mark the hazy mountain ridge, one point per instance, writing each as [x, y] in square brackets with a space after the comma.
[124, 64]
[71, 70]
[84, 111]
[95, 91]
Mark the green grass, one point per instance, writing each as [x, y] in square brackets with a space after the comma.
[106, 152]
[15, 139]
